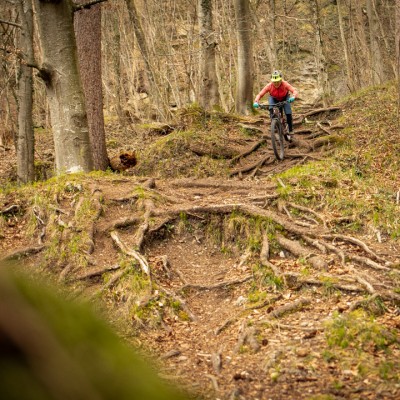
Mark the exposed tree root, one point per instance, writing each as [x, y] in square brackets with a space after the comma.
[247, 335]
[130, 252]
[122, 223]
[144, 227]
[250, 167]
[180, 300]
[221, 185]
[359, 243]
[245, 153]
[319, 111]
[215, 286]
[24, 252]
[96, 273]
[208, 150]
[291, 307]
[297, 250]
[10, 210]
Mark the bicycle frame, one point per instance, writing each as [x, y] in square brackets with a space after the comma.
[279, 128]
[278, 113]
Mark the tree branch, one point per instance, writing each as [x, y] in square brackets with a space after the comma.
[78, 7]
[2, 21]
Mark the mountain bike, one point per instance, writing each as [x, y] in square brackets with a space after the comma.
[279, 128]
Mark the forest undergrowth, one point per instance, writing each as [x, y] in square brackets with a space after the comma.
[244, 277]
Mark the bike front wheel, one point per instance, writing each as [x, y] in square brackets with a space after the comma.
[277, 139]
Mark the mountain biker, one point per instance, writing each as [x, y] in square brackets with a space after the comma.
[279, 90]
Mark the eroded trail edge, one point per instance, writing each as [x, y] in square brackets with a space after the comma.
[237, 292]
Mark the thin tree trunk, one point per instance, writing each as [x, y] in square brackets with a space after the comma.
[350, 82]
[322, 75]
[141, 41]
[378, 74]
[88, 38]
[384, 37]
[209, 95]
[245, 58]
[25, 138]
[272, 55]
[397, 41]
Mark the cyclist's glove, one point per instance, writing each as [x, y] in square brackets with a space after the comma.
[290, 99]
[256, 105]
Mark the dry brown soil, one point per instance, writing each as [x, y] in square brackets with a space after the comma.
[245, 325]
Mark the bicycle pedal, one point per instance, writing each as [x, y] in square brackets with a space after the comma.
[288, 137]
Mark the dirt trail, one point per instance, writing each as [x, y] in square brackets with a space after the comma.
[228, 317]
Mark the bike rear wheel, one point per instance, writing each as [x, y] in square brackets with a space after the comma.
[277, 139]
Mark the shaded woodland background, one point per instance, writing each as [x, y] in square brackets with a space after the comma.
[325, 48]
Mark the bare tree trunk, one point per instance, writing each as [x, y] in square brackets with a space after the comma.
[25, 138]
[397, 41]
[384, 37]
[88, 39]
[322, 75]
[273, 58]
[245, 61]
[141, 41]
[209, 95]
[378, 74]
[350, 81]
[63, 86]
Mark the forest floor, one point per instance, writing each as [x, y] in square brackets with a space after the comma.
[238, 290]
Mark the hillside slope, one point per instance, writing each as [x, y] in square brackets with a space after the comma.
[247, 278]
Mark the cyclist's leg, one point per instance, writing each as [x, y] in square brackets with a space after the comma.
[289, 116]
[271, 101]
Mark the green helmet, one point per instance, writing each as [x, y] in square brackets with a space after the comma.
[276, 76]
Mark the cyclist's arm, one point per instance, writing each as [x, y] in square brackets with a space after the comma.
[292, 90]
[263, 92]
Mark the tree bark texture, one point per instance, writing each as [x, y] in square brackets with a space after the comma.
[63, 86]
[25, 138]
[320, 59]
[378, 74]
[350, 80]
[209, 93]
[271, 48]
[87, 25]
[244, 94]
[141, 41]
[397, 41]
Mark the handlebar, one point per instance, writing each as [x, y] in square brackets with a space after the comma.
[266, 106]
